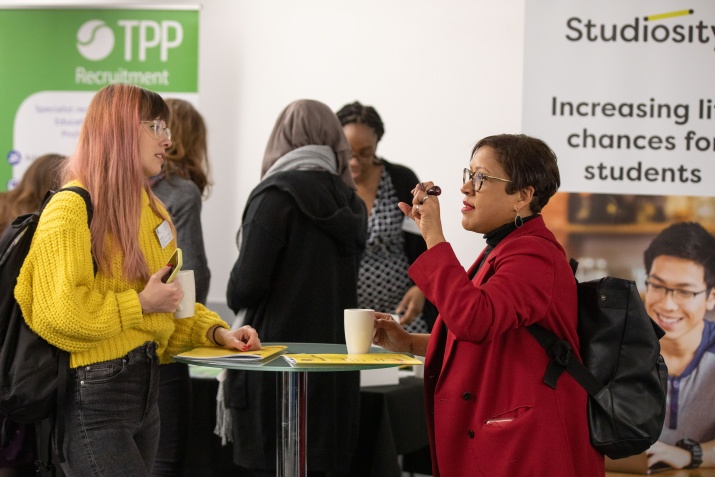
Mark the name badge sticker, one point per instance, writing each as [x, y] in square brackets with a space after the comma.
[163, 233]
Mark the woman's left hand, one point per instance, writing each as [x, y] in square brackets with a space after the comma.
[390, 335]
[244, 338]
[411, 305]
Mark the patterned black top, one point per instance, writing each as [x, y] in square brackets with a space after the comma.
[382, 278]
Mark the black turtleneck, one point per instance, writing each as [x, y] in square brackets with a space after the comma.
[497, 235]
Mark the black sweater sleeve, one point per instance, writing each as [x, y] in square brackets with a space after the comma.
[404, 180]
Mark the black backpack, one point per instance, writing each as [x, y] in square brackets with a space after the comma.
[622, 370]
[33, 373]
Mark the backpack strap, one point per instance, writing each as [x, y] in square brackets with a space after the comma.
[84, 193]
[43, 438]
[63, 369]
[64, 356]
[563, 359]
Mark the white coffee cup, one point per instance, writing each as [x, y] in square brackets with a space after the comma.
[359, 327]
[420, 370]
[188, 302]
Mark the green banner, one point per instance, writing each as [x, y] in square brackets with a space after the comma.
[53, 60]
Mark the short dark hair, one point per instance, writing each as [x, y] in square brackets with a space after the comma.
[687, 240]
[528, 161]
[356, 113]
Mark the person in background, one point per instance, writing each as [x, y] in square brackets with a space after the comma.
[488, 409]
[115, 320]
[17, 457]
[42, 175]
[393, 242]
[680, 289]
[180, 186]
[299, 244]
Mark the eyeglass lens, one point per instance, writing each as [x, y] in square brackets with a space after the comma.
[363, 155]
[158, 129]
[659, 291]
[473, 176]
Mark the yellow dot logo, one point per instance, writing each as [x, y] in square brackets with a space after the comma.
[95, 40]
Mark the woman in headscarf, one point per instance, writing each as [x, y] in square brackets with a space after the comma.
[299, 247]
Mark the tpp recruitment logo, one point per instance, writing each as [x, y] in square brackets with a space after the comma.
[95, 40]
[145, 46]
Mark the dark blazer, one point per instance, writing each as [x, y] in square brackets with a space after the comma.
[488, 410]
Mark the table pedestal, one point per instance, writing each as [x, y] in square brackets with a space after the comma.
[291, 439]
[292, 397]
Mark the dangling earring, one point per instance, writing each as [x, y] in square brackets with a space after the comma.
[518, 221]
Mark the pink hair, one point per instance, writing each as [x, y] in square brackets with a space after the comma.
[107, 163]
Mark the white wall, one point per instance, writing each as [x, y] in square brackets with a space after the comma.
[441, 73]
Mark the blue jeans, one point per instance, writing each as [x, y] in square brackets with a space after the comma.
[112, 419]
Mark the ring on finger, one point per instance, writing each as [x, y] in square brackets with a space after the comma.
[417, 208]
[424, 199]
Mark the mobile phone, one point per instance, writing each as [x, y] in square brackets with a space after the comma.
[175, 262]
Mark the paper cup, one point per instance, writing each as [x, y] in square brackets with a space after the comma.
[359, 327]
[188, 286]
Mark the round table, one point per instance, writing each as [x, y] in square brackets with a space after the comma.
[292, 394]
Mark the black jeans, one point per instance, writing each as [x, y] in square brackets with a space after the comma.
[112, 422]
[175, 412]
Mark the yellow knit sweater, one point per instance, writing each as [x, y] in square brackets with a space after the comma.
[98, 318]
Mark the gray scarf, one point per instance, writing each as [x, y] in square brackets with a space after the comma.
[305, 158]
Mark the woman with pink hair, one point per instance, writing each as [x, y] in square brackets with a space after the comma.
[97, 292]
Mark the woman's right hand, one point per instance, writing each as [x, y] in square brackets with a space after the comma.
[390, 334]
[425, 211]
[160, 297]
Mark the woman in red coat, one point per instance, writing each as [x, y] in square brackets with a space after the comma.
[488, 411]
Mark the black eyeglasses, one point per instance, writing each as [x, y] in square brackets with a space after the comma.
[679, 295]
[364, 155]
[478, 176]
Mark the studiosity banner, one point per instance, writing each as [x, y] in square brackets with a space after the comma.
[623, 93]
[53, 61]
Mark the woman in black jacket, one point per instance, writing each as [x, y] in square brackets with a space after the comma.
[299, 246]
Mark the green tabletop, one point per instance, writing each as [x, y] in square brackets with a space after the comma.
[277, 363]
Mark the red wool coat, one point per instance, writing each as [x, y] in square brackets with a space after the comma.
[488, 411]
